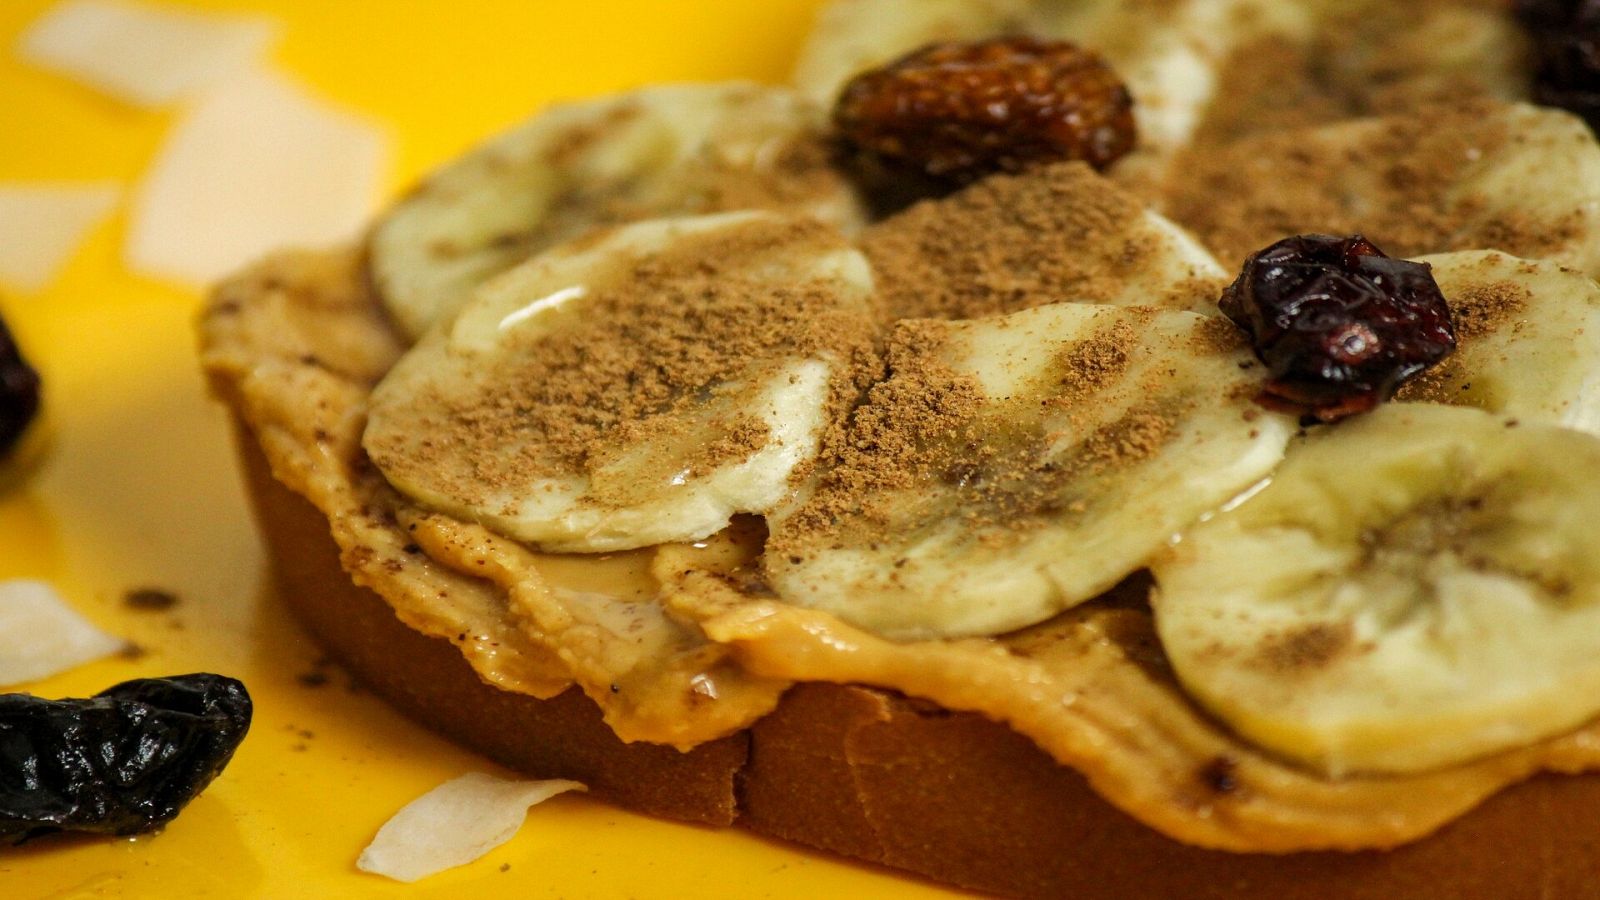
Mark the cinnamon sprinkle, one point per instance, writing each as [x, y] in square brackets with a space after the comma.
[1013, 242]
[1244, 196]
[663, 336]
[996, 463]
[1477, 311]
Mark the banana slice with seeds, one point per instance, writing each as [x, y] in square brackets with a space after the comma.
[1013, 466]
[659, 151]
[1528, 340]
[1416, 588]
[635, 388]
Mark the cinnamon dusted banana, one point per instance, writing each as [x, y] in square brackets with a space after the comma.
[1013, 466]
[1415, 588]
[1528, 340]
[631, 388]
[1456, 176]
[660, 151]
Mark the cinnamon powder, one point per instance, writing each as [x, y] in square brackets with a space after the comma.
[663, 335]
[1013, 242]
[1244, 196]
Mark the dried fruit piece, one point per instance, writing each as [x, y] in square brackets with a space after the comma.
[1339, 323]
[124, 762]
[1566, 38]
[959, 111]
[19, 391]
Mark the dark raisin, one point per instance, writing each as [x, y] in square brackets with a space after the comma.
[1566, 40]
[959, 111]
[1339, 324]
[126, 761]
[19, 391]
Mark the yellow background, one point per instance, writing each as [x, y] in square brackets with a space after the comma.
[134, 484]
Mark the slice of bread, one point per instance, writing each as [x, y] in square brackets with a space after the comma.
[875, 776]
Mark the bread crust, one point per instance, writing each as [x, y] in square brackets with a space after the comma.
[873, 776]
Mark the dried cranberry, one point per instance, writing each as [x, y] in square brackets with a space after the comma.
[1566, 39]
[959, 111]
[1339, 324]
[19, 392]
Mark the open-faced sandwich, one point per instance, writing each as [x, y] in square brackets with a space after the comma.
[1060, 448]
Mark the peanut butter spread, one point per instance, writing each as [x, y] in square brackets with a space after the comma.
[681, 644]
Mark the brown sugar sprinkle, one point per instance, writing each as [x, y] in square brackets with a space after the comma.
[662, 335]
[1011, 242]
[1249, 194]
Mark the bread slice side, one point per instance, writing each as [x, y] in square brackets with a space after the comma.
[877, 777]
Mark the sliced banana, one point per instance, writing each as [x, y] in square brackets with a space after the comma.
[635, 388]
[1528, 340]
[669, 150]
[1416, 588]
[1013, 466]
[1058, 233]
[1350, 58]
[1504, 176]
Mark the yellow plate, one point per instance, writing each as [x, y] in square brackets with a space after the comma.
[136, 484]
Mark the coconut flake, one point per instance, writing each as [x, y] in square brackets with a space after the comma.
[40, 635]
[145, 55]
[255, 165]
[41, 226]
[454, 824]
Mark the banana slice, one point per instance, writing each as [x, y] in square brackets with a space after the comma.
[1013, 466]
[1511, 177]
[670, 150]
[1011, 242]
[635, 388]
[1351, 58]
[1528, 340]
[1416, 588]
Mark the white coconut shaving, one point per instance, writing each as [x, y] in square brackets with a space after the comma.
[146, 55]
[255, 165]
[454, 824]
[40, 635]
[42, 225]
